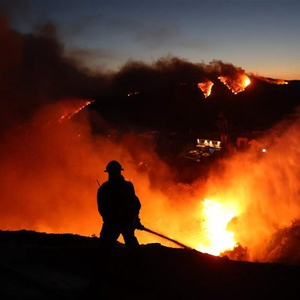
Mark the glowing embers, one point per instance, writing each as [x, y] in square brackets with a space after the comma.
[206, 87]
[216, 237]
[236, 84]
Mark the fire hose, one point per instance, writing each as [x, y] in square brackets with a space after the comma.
[143, 228]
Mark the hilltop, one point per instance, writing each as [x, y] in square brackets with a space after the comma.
[184, 108]
[61, 266]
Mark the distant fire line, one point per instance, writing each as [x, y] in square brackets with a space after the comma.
[68, 115]
[236, 84]
[206, 87]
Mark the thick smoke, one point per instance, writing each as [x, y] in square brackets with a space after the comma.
[34, 72]
[169, 72]
[265, 186]
[50, 170]
[50, 166]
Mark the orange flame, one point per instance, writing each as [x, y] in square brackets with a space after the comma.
[236, 84]
[216, 237]
[206, 87]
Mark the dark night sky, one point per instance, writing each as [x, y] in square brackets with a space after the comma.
[260, 36]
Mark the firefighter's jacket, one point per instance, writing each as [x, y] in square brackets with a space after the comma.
[117, 202]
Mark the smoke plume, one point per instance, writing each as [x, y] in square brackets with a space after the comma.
[35, 72]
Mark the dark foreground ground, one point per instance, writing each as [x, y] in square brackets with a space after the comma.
[63, 266]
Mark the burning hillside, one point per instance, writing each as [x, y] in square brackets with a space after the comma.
[56, 137]
[236, 85]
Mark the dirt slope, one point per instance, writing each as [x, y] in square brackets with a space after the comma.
[64, 266]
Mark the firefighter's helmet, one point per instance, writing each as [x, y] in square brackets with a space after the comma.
[113, 166]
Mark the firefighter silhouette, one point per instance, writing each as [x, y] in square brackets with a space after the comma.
[119, 208]
[223, 130]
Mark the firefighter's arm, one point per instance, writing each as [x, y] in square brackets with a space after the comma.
[138, 224]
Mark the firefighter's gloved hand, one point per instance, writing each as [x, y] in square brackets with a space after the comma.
[138, 224]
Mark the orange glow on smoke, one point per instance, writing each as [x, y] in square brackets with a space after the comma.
[236, 84]
[206, 87]
[49, 183]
